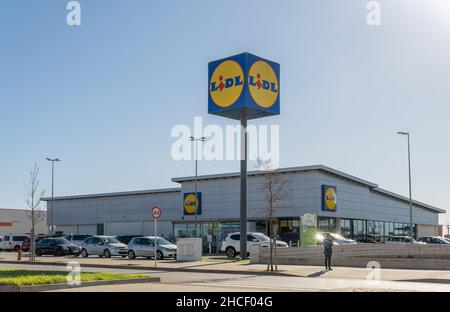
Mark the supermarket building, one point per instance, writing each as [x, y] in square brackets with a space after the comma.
[361, 209]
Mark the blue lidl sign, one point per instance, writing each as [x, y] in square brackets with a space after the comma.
[244, 82]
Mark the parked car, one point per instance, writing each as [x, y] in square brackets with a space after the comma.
[145, 247]
[292, 239]
[231, 244]
[13, 242]
[125, 239]
[103, 246]
[77, 239]
[57, 247]
[401, 240]
[435, 240]
[337, 239]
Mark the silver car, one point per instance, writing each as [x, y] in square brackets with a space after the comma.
[145, 247]
[103, 246]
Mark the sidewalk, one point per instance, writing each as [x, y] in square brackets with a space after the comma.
[217, 265]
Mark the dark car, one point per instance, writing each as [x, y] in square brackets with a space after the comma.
[57, 247]
[291, 238]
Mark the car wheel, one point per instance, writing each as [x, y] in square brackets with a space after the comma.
[159, 255]
[107, 253]
[59, 253]
[84, 253]
[131, 254]
[38, 253]
[230, 252]
[16, 248]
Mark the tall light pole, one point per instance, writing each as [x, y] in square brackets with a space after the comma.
[52, 160]
[195, 140]
[409, 171]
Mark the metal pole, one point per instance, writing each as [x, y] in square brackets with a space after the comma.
[410, 196]
[243, 212]
[195, 192]
[53, 181]
[156, 246]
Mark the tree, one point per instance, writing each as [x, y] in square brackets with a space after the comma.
[275, 186]
[35, 213]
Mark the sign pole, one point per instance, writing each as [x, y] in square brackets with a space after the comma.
[156, 246]
[243, 212]
[156, 213]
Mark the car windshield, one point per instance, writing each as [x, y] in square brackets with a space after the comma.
[160, 241]
[261, 237]
[62, 241]
[110, 240]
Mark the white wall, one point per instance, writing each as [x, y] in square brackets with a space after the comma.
[20, 222]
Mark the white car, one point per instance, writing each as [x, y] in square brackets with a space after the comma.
[231, 244]
[401, 240]
[13, 242]
[77, 239]
[145, 247]
[103, 246]
[337, 239]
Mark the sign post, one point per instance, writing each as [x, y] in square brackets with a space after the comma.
[243, 87]
[156, 213]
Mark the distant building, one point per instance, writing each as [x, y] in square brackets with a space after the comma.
[16, 221]
[343, 203]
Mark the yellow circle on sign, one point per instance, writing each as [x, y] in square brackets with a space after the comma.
[263, 84]
[190, 203]
[226, 84]
[330, 198]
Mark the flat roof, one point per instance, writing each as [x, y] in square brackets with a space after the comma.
[142, 192]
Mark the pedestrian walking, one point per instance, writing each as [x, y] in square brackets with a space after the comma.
[328, 251]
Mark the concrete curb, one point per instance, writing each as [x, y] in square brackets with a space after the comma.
[36, 288]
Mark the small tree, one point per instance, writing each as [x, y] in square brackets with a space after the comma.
[35, 213]
[275, 186]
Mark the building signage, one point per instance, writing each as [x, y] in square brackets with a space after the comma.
[191, 203]
[329, 198]
[244, 81]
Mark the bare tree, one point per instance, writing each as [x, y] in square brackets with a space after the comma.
[275, 187]
[35, 213]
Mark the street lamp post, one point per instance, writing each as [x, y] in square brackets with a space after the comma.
[52, 160]
[195, 140]
[410, 196]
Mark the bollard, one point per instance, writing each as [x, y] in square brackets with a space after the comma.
[19, 255]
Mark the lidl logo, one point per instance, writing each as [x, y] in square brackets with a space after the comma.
[192, 203]
[226, 83]
[243, 83]
[263, 84]
[329, 198]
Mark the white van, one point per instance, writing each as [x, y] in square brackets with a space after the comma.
[13, 242]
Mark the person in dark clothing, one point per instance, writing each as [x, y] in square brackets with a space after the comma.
[328, 251]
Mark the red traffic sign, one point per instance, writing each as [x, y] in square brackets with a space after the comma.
[156, 212]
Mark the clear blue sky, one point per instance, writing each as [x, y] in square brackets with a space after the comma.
[104, 96]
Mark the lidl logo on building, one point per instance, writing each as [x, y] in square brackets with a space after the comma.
[329, 198]
[263, 84]
[191, 203]
[226, 83]
[244, 83]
